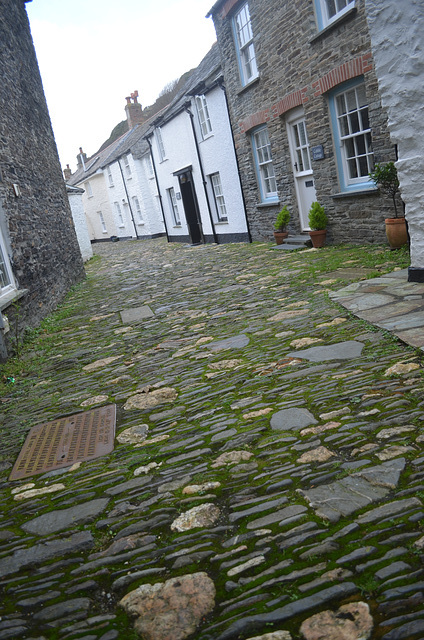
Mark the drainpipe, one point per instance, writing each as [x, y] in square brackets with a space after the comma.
[128, 198]
[249, 235]
[205, 184]
[157, 186]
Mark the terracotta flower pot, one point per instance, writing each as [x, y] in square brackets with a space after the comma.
[280, 236]
[318, 238]
[396, 232]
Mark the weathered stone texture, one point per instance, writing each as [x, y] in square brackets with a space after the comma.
[292, 58]
[37, 226]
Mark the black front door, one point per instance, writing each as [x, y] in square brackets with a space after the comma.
[191, 207]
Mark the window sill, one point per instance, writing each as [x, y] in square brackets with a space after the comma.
[111, 186]
[221, 222]
[210, 135]
[140, 224]
[352, 194]
[333, 25]
[11, 296]
[177, 226]
[273, 203]
[248, 85]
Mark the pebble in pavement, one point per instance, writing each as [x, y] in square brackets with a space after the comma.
[290, 482]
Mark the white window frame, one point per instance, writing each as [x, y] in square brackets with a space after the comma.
[119, 215]
[243, 36]
[149, 164]
[160, 145]
[89, 189]
[138, 211]
[128, 171]
[110, 176]
[329, 11]
[220, 206]
[102, 222]
[352, 133]
[172, 198]
[264, 165]
[7, 281]
[203, 115]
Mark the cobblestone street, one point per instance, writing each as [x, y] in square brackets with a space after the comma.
[268, 466]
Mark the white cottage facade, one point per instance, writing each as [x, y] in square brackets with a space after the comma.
[195, 164]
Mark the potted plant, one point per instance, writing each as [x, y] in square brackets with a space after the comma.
[385, 177]
[280, 226]
[318, 224]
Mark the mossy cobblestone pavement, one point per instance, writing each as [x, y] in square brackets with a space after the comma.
[274, 467]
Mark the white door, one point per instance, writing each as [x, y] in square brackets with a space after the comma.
[302, 169]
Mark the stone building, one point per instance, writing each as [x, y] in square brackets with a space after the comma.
[306, 112]
[39, 253]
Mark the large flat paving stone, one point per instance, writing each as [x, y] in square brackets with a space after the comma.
[292, 419]
[339, 351]
[61, 519]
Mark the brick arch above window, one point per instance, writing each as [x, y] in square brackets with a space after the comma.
[346, 71]
[338, 75]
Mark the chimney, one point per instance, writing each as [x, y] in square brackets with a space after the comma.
[133, 110]
[67, 173]
[81, 159]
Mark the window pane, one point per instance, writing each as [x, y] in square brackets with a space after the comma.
[354, 122]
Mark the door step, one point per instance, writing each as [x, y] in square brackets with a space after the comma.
[301, 241]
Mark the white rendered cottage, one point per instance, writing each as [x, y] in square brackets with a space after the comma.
[195, 164]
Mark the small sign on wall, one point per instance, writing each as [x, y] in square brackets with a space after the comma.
[318, 152]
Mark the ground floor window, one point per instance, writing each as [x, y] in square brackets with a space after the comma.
[137, 208]
[350, 117]
[174, 207]
[264, 167]
[102, 222]
[221, 209]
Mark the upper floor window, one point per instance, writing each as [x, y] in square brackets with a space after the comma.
[119, 215]
[161, 147]
[349, 110]
[127, 166]
[109, 176]
[149, 165]
[203, 114]
[221, 209]
[264, 167]
[89, 189]
[102, 221]
[244, 45]
[137, 208]
[174, 207]
[330, 10]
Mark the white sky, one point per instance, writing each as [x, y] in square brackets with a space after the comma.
[94, 53]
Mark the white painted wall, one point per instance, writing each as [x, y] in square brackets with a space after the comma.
[81, 228]
[396, 30]
[98, 201]
[217, 152]
[217, 155]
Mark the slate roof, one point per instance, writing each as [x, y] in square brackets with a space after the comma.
[202, 78]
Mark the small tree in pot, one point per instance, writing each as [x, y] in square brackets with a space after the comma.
[280, 226]
[385, 177]
[318, 224]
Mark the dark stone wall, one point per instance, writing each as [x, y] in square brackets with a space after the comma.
[45, 255]
[297, 65]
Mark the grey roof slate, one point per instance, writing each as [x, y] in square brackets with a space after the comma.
[204, 76]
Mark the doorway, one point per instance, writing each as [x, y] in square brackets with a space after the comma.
[301, 164]
[191, 207]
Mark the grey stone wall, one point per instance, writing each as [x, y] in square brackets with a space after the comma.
[297, 65]
[45, 255]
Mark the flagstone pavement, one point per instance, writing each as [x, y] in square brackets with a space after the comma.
[267, 479]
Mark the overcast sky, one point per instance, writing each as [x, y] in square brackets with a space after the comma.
[94, 53]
